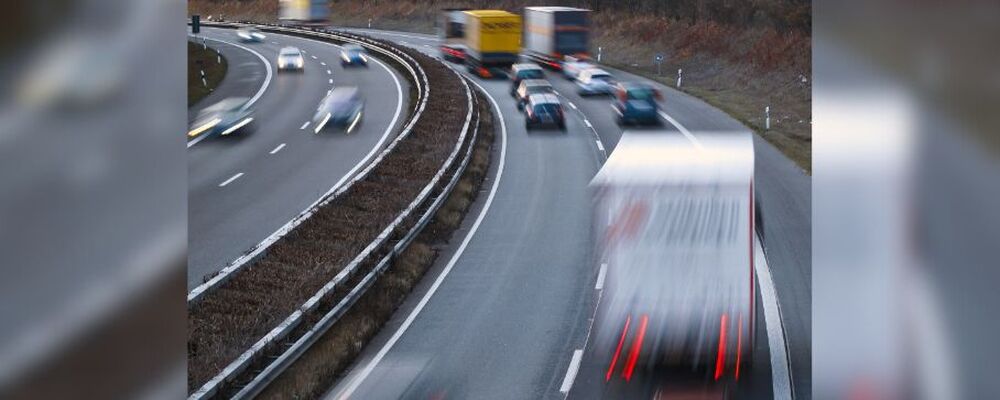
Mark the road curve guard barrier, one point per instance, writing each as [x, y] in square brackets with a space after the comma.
[256, 367]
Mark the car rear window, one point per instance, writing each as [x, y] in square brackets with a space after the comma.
[547, 108]
[640, 94]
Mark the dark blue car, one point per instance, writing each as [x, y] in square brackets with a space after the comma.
[353, 55]
[635, 103]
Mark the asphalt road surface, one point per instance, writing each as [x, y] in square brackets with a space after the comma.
[244, 188]
[506, 311]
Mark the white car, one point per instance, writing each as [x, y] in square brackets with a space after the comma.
[595, 81]
[572, 67]
[250, 35]
[291, 59]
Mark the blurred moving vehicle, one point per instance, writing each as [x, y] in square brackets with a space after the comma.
[572, 67]
[304, 11]
[520, 72]
[250, 35]
[595, 81]
[451, 32]
[529, 87]
[636, 103]
[291, 59]
[552, 33]
[544, 110]
[352, 55]
[341, 108]
[226, 117]
[492, 42]
[674, 222]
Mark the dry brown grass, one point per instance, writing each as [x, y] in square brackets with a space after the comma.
[259, 296]
[326, 360]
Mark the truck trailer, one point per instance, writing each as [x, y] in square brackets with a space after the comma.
[304, 11]
[673, 222]
[451, 32]
[492, 41]
[552, 33]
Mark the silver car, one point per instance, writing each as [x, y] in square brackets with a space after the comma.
[291, 59]
[595, 81]
[250, 35]
[341, 108]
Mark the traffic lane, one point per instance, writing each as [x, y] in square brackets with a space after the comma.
[672, 382]
[274, 188]
[783, 187]
[517, 301]
[245, 75]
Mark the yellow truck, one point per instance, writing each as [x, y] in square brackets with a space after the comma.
[492, 41]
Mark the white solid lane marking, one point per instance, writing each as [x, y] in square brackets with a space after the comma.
[231, 179]
[305, 125]
[600, 145]
[587, 122]
[260, 92]
[781, 380]
[277, 149]
[572, 105]
[604, 269]
[353, 384]
[574, 367]
[683, 130]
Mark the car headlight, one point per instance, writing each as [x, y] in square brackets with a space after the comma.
[363, 58]
[345, 57]
[208, 125]
[299, 62]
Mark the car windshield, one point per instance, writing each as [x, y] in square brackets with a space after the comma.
[530, 74]
[231, 104]
[289, 53]
[600, 77]
[539, 89]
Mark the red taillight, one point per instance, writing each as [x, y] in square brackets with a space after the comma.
[739, 345]
[633, 356]
[721, 358]
[618, 350]
[483, 72]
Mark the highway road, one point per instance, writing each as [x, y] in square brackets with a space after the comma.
[243, 189]
[505, 312]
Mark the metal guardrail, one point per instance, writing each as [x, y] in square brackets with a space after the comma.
[292, 352]
[419, 78]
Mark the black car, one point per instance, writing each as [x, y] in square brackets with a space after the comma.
[521, 72]
[544, 110]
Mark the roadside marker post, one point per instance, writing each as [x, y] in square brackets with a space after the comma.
[369, 23]
[767, 118]
[679, 71]
[599, 49]
[658, 59]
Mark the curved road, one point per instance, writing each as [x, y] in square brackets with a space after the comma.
[509, 304]
[242, 189]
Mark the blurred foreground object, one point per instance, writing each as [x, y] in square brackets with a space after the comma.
[94, 201]
[673, 221]
[905, 221]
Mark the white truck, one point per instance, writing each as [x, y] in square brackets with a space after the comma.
[674, 223]
[552, 33]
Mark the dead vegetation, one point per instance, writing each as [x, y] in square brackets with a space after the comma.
[228, 320]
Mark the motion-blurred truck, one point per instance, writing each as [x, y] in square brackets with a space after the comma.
[492, 42]
[304, 11]
[552, 33]
[451, 31]
[674, 222]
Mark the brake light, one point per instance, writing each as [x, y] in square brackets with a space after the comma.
[618, 350]
[721, 358]
[633, 356]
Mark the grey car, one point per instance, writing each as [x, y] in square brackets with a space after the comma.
[341, 108]
[226, 117]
